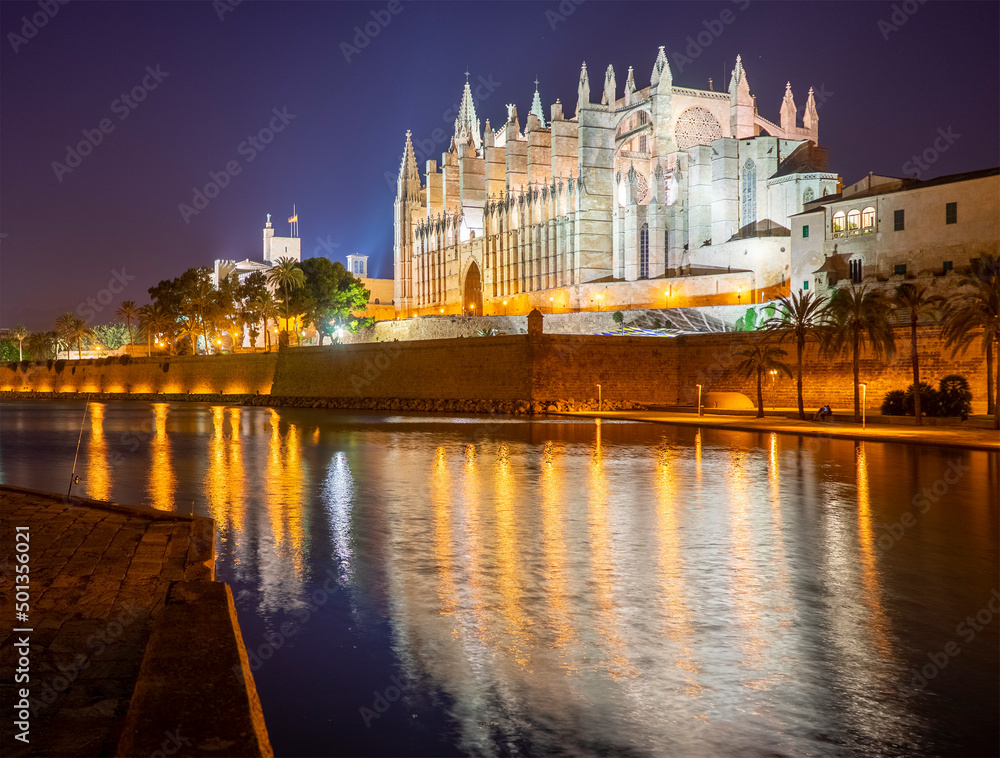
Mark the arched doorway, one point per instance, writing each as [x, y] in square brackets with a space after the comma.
[473, 291]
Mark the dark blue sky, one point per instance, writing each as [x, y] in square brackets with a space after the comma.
[65, 235]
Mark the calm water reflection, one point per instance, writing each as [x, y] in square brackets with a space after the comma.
[571, 588]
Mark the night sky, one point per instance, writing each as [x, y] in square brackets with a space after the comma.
[887, 89]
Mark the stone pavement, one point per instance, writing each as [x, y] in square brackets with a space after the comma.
[99, 575]
[976, 438]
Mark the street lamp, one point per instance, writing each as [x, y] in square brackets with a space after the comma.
[864, 388]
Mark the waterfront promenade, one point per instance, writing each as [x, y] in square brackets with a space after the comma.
[99, 579]
[974, 437]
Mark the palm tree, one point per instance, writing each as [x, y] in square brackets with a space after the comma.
[128, 313]
[913, 301]
[20, 333]
[267, 308]
[64, 328]
[970, 311]
[798, 316]
[758, 358]
[286, 274]
[154, 319]
[855, 315]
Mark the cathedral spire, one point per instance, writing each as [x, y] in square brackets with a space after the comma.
[583, 90]
[409, 177]
[467, 125]
[629, 87]
[811, 119]
[536, 106]
[609, 87]
[661, 70]
[788, 109]
[739, 88]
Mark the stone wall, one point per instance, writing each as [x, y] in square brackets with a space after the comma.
[649, 370]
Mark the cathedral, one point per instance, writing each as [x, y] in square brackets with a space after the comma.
[664, 196]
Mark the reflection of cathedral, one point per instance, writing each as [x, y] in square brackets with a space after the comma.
[663, 183]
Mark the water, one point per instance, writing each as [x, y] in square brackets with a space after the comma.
[416, 585]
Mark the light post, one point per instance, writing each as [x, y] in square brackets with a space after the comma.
[864, 388]
[699, 401]
[774, 390]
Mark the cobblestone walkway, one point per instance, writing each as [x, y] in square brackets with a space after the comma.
[99, 573]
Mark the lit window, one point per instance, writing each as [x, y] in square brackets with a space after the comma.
[853, 222]
[839, 223]
[951, 213]
[805, 231]
[868, 219]
[898, 220]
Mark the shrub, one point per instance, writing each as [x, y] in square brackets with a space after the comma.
[954, 396]
[929, 400]
[893, 403]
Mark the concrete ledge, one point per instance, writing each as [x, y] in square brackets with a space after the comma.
[195, 695]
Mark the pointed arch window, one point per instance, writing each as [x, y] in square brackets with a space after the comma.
[644, 251]
[749, 197]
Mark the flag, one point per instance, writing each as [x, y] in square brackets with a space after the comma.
[293, 219]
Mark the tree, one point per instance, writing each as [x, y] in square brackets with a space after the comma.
[856, 315]
[267, 309]
[154, 319]
[43, 345]
[619, 319]
[913, 302]
[73, 330]
[128, 313]
[978, 309]
[287, 275]
[329, 296]
[20, 333]
[758, 358]
[798, 317]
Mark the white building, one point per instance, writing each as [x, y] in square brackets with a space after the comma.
[884, 228]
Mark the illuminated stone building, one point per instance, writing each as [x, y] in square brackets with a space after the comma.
[664, 195]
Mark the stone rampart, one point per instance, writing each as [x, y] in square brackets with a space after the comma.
[648, 370]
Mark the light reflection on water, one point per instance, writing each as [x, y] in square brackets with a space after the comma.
[569, 588]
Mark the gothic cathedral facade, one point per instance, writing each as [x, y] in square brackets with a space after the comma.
[665, 192]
